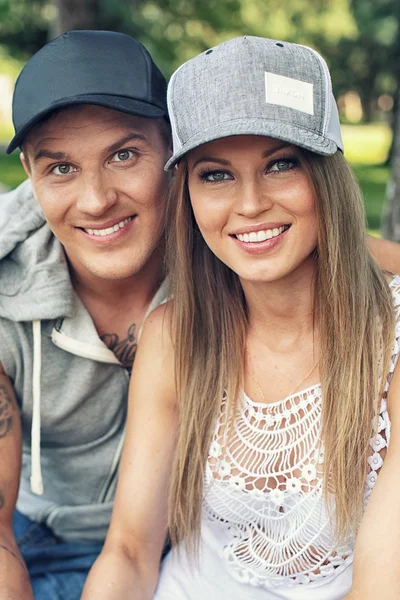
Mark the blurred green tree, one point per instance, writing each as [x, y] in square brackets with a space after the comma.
[378, 71]
[376, 58]
[391, 216]
[24, 25]
[358, 37]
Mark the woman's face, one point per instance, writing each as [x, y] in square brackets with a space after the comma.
[254, 205]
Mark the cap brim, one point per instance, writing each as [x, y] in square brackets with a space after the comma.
[287, 132]
[119, 103]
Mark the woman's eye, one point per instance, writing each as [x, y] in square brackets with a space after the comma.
[122, 155]
[63, 169]
[215, 176]
[282, 164]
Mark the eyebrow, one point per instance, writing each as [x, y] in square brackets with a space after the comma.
[130, 137]
[48, 154]
[223, 161]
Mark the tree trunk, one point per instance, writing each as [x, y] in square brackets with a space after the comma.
[76, 14]
[391, 218]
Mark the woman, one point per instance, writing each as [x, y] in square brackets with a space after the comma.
[262, 398]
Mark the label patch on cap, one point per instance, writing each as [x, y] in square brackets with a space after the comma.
[293, 93]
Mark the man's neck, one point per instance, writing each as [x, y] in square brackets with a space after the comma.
[118, 307]
[137, 289]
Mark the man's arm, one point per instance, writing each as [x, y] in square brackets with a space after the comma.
[14, 578]
[385, 253]
[376, 571]
[128, 566]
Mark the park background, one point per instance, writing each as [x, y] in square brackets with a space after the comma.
[360, 40]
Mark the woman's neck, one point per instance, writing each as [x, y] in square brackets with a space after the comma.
[284, 308]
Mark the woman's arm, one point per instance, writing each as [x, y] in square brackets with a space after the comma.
[377, 553]
[385, 253]
[128, 566]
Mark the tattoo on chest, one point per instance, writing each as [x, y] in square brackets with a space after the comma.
[124, 349]
[6, 411]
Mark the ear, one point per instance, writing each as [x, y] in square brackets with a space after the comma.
[25, 164]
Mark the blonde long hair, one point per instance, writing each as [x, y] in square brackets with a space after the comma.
[356, 324]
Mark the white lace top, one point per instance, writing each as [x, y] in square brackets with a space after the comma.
[263, 501]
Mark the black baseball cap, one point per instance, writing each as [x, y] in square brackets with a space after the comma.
[105, 68]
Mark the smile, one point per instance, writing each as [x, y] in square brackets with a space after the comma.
[109, 230]
[262, 235]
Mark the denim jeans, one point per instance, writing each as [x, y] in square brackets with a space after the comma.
[57, 569]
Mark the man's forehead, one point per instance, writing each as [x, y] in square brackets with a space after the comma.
[89, 119]
[92, 112]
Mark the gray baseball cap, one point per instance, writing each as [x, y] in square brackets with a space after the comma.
[254, 86]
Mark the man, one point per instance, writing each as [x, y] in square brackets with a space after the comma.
[81, 249]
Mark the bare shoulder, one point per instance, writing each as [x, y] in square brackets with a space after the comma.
[158, 327]
[161, 315]
[155, 358]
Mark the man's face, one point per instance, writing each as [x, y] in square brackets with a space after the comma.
[98, 177]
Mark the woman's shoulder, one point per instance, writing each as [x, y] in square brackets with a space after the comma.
[155, 358]
[158, 327]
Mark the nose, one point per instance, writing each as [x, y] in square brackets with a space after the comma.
[252, 199]
[96, 195]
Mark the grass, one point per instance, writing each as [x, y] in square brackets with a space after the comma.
[366, 148]
[373, 179]
[11, 171]
[6, 132]
[366, 144]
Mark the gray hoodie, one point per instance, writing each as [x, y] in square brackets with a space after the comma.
[70, 387]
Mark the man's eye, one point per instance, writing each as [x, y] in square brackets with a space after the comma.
[122, 155]
[63, 169]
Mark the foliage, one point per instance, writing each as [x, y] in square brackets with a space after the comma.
[24, 25]
[360, 38]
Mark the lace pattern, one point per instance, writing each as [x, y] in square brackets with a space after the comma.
[263, 487]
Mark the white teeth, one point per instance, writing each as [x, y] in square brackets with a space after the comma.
[261, 236]
[108, 230]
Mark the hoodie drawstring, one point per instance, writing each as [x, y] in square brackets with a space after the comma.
[36, 471]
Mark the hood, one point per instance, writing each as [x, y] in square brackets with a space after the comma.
[34, 277]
